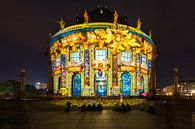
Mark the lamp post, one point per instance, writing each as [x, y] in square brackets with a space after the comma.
[22, 81]
[176, 80]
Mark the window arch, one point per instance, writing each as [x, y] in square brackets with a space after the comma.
[126, 83]
[142, 85]
[76, 85]
[101, 83]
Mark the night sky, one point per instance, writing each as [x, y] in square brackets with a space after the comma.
[25, 24]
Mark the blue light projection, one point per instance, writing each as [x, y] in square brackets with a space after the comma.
[76, 85]
[101, 84]
[126, 84]
[142, 85]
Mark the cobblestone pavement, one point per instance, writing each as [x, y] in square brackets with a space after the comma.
[85, 120]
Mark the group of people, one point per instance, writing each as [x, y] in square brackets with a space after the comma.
[84, 108]
[122, 107]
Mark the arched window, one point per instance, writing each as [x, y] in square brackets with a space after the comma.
[76, 85]
[101, 83]
[142, 85]
[126, 83]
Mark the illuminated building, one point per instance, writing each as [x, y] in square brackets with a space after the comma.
[187, 87]
[168, 90]
[101, 56]
[184, 88]
[40, 85]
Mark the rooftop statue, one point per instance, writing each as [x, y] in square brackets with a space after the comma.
[115, 17]
[61, 23]
[50, 35]
[150, 34]
[86, 17]
[139, 24]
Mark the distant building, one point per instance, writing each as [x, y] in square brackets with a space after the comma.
[40, 85]
[168, 90]
[159, 91]
[185, 88]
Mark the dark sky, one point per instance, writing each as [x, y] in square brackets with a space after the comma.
[25, 24]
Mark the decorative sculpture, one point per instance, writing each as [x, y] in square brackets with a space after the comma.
[115, 17]
[150, 34]
[86, 17]
[139, 24]
[61, 23]
[50, 35]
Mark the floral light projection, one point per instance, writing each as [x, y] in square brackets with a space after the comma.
[101, 59]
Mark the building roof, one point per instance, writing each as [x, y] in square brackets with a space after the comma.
[102, 14]
[100, 18]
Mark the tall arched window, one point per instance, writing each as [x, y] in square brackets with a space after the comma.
[76, 85]
[101, 83]
[142, 85]
[126, 83]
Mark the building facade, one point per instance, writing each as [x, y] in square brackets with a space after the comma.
[101, 56]
[185, 88]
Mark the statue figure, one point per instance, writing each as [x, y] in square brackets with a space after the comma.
[139, 23]
[61, 23]
[86, 17]
[150, 34]
[115, 17]
[50, 35]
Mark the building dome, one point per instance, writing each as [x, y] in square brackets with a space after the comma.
[102, 14]
[101, 56]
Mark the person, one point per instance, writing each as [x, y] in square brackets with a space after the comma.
[123, 107]
[67, 106]
[99, 107]
[83, 108]
[128, 107]
[94, 107]
[89, 107]
[117, 107]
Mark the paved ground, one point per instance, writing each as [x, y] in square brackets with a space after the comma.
[84, 120]
[42, 115]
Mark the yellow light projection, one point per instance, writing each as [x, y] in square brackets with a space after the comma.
[102, 59]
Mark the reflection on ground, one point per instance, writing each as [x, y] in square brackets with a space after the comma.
[42, 115]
